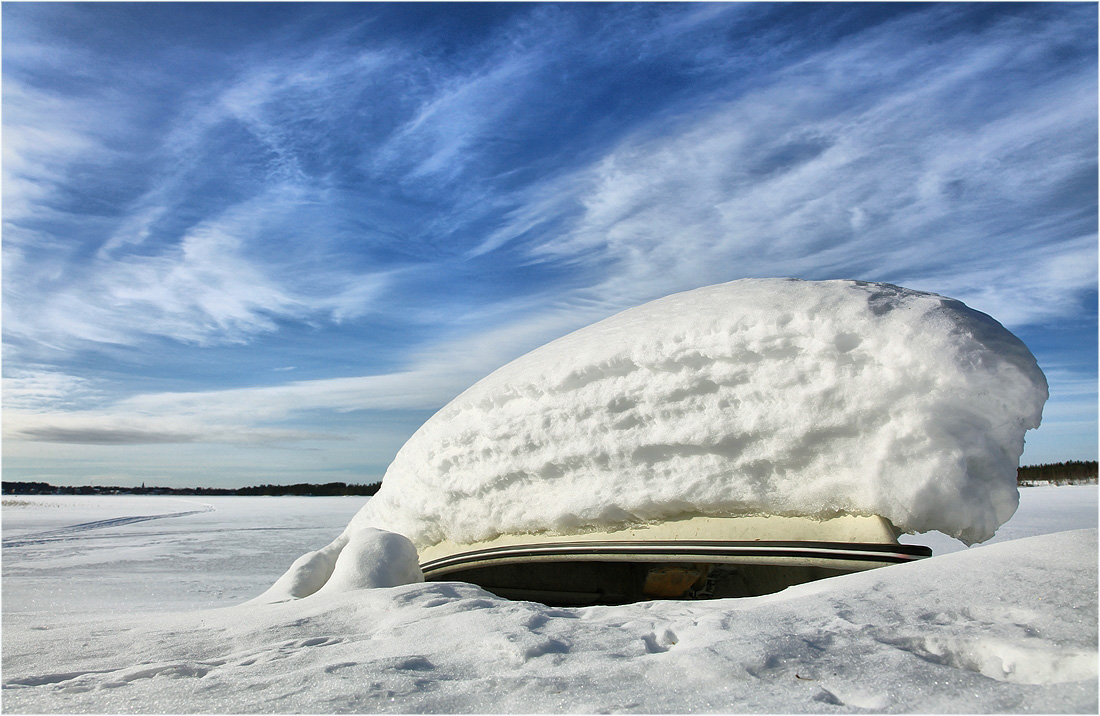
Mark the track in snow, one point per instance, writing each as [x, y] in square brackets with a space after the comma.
[74, 531]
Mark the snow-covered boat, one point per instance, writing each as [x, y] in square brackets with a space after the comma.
[752, 398]
[691, 558]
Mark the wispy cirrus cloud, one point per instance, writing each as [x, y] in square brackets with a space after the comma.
[399, 212]
[207, 273]
[157, 263]
[37, 153]
[209, 287]
[461, 114]
[43, 406]
[48, 389]
[903, 165]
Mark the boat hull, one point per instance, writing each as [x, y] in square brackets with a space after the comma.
[691, 558]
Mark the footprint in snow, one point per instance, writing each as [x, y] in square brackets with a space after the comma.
[856, 698]
[659, 642]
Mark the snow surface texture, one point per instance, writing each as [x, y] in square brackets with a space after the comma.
[1008, 627]
[70, 554]
[773, 396]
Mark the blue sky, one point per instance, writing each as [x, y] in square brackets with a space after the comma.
[250, 243]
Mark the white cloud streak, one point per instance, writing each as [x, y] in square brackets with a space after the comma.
[438, 138]
[207, 289]
[44, 134]
[211, 284]
[806, 177]
[47, 406]
[859, 162]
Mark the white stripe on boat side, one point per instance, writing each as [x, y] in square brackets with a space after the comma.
[686, 550]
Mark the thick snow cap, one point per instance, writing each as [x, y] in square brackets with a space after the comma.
[760, 396]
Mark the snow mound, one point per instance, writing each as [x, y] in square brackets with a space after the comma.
[774, 396]
[375, 558]
[364, 558]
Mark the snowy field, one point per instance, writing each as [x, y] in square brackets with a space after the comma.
[131, 604]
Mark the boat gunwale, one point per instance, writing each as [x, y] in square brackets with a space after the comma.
[715, 551]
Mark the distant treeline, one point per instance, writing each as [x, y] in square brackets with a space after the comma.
[1058, 473]
[328, 489]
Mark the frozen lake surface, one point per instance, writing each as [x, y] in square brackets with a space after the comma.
[129, 604]
[70, 554]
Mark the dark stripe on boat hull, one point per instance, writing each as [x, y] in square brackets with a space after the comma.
[679, 551]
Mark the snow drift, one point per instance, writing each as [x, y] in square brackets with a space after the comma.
[759, 396]
[373, 559]
[1004, 628]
